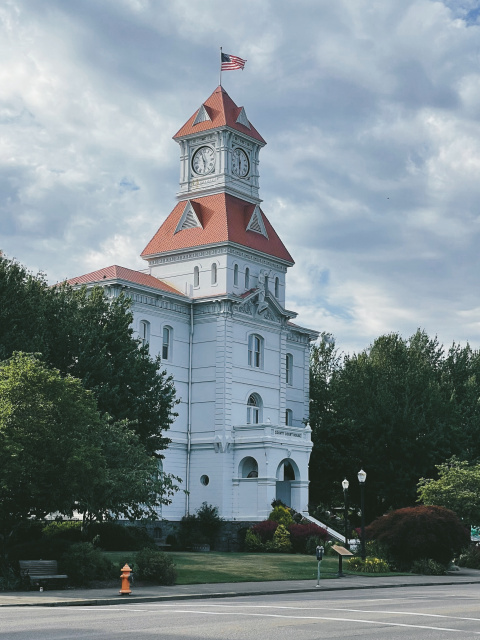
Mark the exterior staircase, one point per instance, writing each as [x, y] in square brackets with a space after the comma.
[331, 532]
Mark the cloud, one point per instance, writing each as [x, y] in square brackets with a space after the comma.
[371, 173]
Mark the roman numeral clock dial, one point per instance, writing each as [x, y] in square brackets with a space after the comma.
[203, 161]
[240, 163]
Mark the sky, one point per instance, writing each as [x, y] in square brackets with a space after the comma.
[371, 173]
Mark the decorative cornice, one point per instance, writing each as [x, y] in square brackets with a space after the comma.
[221, 249]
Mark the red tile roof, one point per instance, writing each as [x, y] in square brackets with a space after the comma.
[122, 273]
[223, 112]
[224, 218]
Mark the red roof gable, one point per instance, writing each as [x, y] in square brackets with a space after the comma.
[122, 273]
[223, 112]
[224, 218]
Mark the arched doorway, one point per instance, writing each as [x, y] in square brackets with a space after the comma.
[287, 472]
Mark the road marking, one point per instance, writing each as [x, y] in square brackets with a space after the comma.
[327, 618]
[329, 608]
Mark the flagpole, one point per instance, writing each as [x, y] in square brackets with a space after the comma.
[220, 66]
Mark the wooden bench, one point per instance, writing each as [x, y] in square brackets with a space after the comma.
[40, 572]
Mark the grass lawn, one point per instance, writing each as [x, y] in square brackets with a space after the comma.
[216, 566]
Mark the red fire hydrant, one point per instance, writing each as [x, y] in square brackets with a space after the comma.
[125, 590]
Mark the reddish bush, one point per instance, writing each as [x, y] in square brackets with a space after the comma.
[265, 530]
[420, 532]
[301, 533]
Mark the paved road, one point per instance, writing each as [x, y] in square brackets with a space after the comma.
[420, 613]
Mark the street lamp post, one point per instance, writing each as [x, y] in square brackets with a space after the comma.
[345, 484]
[362, 476]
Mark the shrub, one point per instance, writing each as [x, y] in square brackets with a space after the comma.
[68, 530]
[253, 541]
[46, 549]
[265, 530]
[83, 564]
[470, 558]
[281, 541]
[428, 567]
[209, 522]
[419, 532]
[201, 527]
[369, 565]
[112, 536]
[155, 566]
[300, 534]
[281, 515]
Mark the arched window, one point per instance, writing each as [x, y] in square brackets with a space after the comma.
[288, 417]
[248, 468]
[247, 278]
[196, 277]
[289, 369]
[277, 287]
[235, 275]
[254, 409]
[167, 343]
[144, 332]
[214, 273]
[255, 351]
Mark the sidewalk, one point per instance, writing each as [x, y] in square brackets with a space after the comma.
[83, 597]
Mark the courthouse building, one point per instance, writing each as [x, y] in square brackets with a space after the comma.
[211, 302]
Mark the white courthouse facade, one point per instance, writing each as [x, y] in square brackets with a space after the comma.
[211, 302]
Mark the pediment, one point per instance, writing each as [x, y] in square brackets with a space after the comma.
[256, 223]
[202, 115]
[188, 219]
[259, 305]
[242, 118]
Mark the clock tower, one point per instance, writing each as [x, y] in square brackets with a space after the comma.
[219, 150]
[211, 304]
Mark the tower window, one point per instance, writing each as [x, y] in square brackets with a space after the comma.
[289, 369]
[277, 287]
[247, 278]
[196, 277]
[214, 273]
[166, 343]
[255, 351]
[235, 275]
[254, 409]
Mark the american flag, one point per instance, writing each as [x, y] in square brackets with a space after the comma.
[230, 63]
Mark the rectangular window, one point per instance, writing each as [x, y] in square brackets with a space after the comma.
[166, 343]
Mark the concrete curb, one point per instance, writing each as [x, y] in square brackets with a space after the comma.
[226, 594]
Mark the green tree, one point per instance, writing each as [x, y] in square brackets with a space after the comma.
[387, 411]
[60, 454]
[88, 336]
[457, 488]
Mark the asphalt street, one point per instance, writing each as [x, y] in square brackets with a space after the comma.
[419, 613]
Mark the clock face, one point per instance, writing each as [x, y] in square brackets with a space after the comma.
[240, 163]
[203, 161]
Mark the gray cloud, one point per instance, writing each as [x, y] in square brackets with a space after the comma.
[371, 174]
